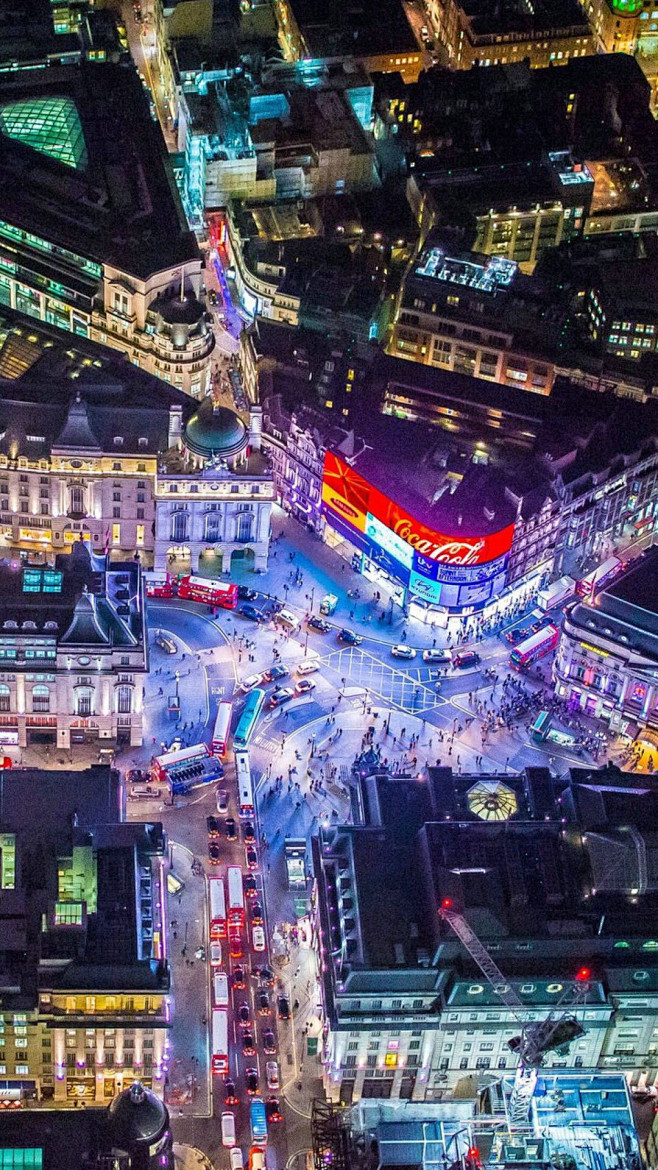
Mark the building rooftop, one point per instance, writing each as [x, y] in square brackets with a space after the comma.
[364, 30]
[80, 603]
[101, 187]
[509, 17]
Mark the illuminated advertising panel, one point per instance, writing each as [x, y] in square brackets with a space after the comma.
[348, 495]
[389, 542]
[423, 587]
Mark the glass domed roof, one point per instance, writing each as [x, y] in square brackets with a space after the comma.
[50, 125]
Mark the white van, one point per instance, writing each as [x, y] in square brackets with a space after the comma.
[236, 1158]
[228, 1130]
[288, 619]
[220, 991]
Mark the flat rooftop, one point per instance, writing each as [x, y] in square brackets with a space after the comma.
[487, 19]
[85, 167]
[363, 29]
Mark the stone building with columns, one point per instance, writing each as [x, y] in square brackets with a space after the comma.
[213, 494]
[73, 651]
[84, 1008]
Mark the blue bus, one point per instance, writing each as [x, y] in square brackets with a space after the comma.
[258, 1123]
[247, 721]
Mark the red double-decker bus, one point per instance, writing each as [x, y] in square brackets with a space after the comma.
[209, 591]
[159, 584]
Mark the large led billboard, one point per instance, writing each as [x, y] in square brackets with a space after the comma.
[370, 518]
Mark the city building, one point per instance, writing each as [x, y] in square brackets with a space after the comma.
[92, 234]
[474, 33]
[110, 455]
[287, 138]
[607, 657]
[213, 495]
[132, 1131]
[573, 473]
[407, 1013]
[473, 1132]
[479, 316]
[85, 976]
[378, 36]
[82, 429]
[73, 651]
[37, 34]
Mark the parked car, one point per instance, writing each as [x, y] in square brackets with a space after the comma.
[222, 800]
[272, 1110]
[349, 638]
[247, 594]
[166, 643]
[467, 658]
[402, 651]
[250, 612]
[319, 625]
[228, 1130]
[272, 1074]
[281, 695]
[283, 1007]
[269, 1041]
[230, 1096]
[307, 666]
[248, 831]
[441, 656]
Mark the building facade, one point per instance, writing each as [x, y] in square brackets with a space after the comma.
[73, 651]
[607, 659]
[99, 249]
[407, 1014]
[213, 495]
[88, 1008]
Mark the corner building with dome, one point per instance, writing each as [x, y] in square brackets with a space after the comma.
[213, 495]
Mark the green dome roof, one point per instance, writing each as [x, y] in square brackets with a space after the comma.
[215, 430]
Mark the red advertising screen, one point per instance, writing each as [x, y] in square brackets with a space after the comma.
[351, 496]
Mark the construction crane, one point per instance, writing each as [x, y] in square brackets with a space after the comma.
[537, 1037]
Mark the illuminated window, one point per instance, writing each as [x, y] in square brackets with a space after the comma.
[50, 125]
[140, 534]
[391, 1060]
[116, 534]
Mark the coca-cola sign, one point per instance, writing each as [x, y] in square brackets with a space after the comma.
[352, 497]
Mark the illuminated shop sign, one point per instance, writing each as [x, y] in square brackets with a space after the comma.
[389, 541]
[347, 494]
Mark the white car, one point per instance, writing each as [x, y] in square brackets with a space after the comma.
[228, 1130]
[307, 666]
[215, 954]
[272, 1074]
[304, 686]
[251, 681]
[258, 938]
[402, 651]
[236, 1158]
[288, 619]
[440, 656]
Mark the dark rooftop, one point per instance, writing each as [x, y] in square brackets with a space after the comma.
[119, 204]
[365, 29]
[510, 16]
